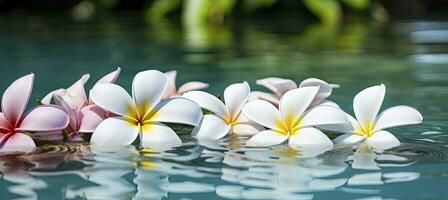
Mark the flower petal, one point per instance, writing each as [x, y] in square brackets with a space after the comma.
[207, 101]
[323, 115]
[271, 98]
[18, 142]
[266, 138]
[109, 78]
[348, 138]
[177, 110]
[44, 118]
[367, 103]
[245, 129]
[263, 113]
[309, 138]
[77, 91]
[398, 116]
[47, 99]
[277, 85]
[383, 140]
[211, 127]
[115, 131]
[91, 117]
[350, 127]
[159, 136]
[15, 98]
[192, 85]
[294, 102]
[4, 123]
[235, 96]
[148, 89]
[72, 114]
[324, 92]
[171, 88]
[112, 98]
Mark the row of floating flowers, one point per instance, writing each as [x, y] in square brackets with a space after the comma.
[297, 114]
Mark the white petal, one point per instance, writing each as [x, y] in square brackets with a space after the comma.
[329, 103]
[348, 138]
[266, 138]
[398, 116]
[235, 96]
[325, 89]
[178, 110]
[277, 85]
[367, 103]
[148, 88]
[115, 131]
[207, 101]
[171, 88]
[159, 136]
[364, 158]
[294, 102]
[112, 98]
[246, 129]
[323, 115]
[263, 113]
[309, 138]
[212, 127]
[383, 140]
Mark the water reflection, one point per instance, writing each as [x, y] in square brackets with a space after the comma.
[221, 169]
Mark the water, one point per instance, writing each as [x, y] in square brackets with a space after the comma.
[404, 55]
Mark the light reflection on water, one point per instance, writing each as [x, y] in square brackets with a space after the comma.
[354, 55]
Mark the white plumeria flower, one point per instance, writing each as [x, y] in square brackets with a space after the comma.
[142, 113]
[279, 86]
[368, 125]
[292, 120]
[226, 118]
[186, 87]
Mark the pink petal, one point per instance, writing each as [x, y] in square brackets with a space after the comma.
[91, 116]
[110, 78]
[77, 91]
[190, 86]
[171, 89]
[73, 115]
[16, 98]
[18, 142]
[44, 118]
[4, 123]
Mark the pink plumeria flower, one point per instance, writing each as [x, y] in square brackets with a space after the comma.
[369, 125]
[279, 86]
[172, 91]
[84, 114]
[226, 118]
[293, 121]
[14, 123]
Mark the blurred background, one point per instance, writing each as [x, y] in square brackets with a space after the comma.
[352, 42]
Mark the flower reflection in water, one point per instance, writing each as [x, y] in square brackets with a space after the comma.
[215, 169]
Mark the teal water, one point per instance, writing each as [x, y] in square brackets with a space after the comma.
[403, 55]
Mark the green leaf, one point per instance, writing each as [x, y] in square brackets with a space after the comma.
[357, 4]
[328, 11]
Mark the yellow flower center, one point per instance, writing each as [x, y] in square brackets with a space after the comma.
[141, 117]
[366, 131]
[289, 125]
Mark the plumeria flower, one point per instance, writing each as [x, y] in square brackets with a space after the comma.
[279, 86]
[186, 87]
[225, 118]
[293, 120]
[14, 123]
[142, 113]
[84, 115]
[369, 126]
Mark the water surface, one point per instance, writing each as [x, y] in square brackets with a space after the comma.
[403, 55]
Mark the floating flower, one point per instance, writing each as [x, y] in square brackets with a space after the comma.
[225, 118]
[14, 123]
[279, 86]
[369, 126]
[186, 87]
[142, 113]
[84, 114]
[293, 120]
